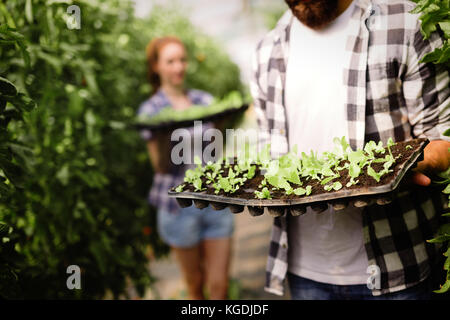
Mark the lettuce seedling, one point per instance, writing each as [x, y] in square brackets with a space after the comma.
[275, 177]
[354, 170]
[246, 158]
[263, 183]
[311, 166]
[389, 144]
[292, 176]
[343, 144]
[214, 167]
[372, 147]
[351, 182]
[356, 156]
[291, 160]
[328, 179]
[278, 182]
[210, 177]
[326, 171]
[263, 194]
[334, 186]
[264, 156]
[377, 176]
[198, 184]
[224, 184]
[303, 191]
[192, 175]
[251, 172]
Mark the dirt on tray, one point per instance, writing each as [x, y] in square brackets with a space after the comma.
[246, 191]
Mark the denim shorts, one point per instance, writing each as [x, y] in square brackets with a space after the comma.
[306, 289]
[190, 225]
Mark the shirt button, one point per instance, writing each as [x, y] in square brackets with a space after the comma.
[284, 245]
[282, 131]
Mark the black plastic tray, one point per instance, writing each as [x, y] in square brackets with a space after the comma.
[276, 207]
[188, 123]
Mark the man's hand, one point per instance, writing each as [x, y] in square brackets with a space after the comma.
[436, 159]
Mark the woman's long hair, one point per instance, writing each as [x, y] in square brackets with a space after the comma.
[152, 53]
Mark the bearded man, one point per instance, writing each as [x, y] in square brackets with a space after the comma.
[352, 68]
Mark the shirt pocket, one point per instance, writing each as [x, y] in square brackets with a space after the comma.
[384, 88]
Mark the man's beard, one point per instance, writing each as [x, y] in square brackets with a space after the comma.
[314, 13]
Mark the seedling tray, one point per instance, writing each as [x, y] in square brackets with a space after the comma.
[277, 207]
[164, 126]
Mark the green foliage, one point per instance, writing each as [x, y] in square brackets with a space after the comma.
[83, 197]
[272, 13]
[434, 15]
[263, 194]
[13, 160]
[443, 235]
[335, 186]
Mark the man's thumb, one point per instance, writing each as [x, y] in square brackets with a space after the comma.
[420, 179]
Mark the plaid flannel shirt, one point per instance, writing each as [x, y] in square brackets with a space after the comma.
[158, 196]
[389, 94]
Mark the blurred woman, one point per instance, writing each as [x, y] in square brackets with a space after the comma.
[200, 239]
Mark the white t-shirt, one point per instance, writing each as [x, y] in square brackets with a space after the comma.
[326, 247]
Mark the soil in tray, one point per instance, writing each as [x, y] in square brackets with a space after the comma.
[246, 191]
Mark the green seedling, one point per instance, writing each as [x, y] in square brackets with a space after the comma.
[377, 176]
[303, 191]
[390, 143]
[192, 175]
[334, 186]
[263, 194]
[210, 177]
[351, 182]
[251, 172]
[198, 184]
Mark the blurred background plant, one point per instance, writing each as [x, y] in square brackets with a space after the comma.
[13, 156]
[273, 13]
[73, 178]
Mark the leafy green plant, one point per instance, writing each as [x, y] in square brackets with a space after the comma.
[301, 191]
[435, 15]
[443, 235]
[263, 194]
[83, 199]
[335, 186]
[14, 162]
